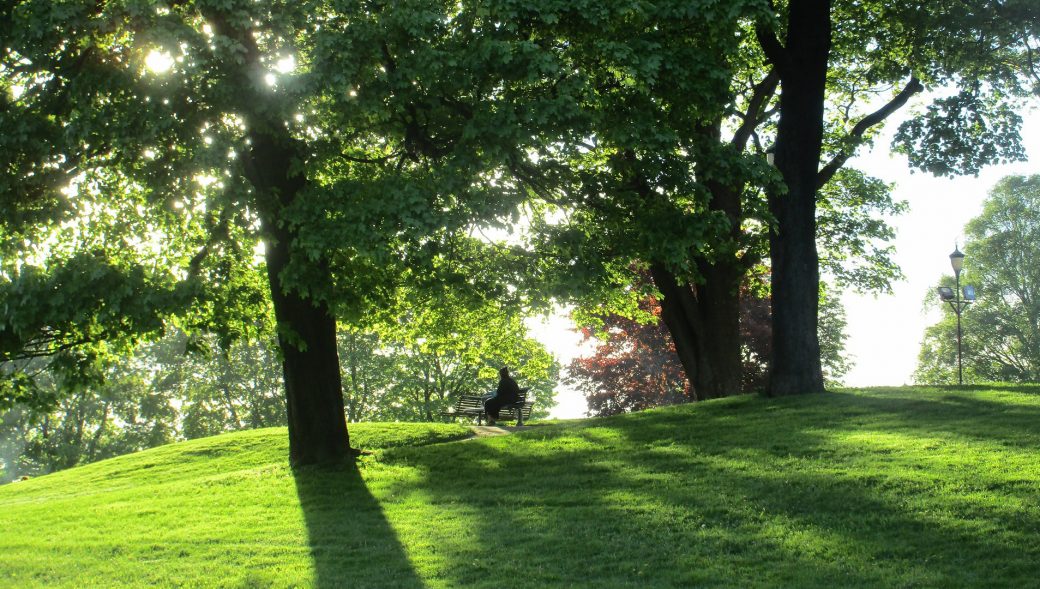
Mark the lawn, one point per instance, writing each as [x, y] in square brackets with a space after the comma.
[907, 487]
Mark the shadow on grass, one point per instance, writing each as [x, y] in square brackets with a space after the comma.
[729, 498]
[955, 411]
[1028, 389]
[351, 542]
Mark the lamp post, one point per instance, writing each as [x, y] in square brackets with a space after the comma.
[953, 297]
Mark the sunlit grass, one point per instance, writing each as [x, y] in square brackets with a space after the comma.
[875, 488]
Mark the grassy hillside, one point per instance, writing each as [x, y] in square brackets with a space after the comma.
[877, 488]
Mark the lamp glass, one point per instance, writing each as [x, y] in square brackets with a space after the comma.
[957, 260]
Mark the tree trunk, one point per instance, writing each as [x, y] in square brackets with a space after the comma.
[795, 366]
[310, 367]
[306, 327]
[100, 431]
[229, 400]
[704, 322]
[353, 404]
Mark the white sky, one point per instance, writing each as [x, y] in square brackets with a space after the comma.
[884, 331]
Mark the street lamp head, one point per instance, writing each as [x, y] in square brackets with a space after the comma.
[946, 293]
[957, 260]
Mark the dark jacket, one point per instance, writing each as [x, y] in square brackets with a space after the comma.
[508, 391]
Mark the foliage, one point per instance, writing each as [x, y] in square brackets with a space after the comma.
[634, 186]
[742, 492]
[55, 312]
[159, 394]
[186, 387]
[853, 236]
[971, 117]
[1001, 330]
[439, 350]
[831, 329]
[634, 366]
[634, 192]
[348, 147]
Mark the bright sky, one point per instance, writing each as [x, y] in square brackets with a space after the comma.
[884, 331]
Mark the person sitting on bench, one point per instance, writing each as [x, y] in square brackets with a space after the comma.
[508, 392]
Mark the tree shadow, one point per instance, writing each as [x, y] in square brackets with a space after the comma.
[351, 542]
[657, 501]
[955, 411]
[1024, 388]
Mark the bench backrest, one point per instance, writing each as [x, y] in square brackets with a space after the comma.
[469, 403]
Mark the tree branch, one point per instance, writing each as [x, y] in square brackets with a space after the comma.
[530, 178]
[43, 347]
[365, 160]
[763, 91]
[856, 135]
[775, 53]
[1031, 63]
[218, 233]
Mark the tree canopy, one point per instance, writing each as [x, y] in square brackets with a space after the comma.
[166, 163]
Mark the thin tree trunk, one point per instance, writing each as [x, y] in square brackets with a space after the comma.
[74, 423]
[352, 403]
[795, 366]
[96, 438]
[229, 400]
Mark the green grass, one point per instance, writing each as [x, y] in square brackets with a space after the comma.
[909, 487]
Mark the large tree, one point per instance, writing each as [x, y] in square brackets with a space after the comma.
[654, 189]
[1002, 328]
[152, 151]
[671, 181]
[834, 57]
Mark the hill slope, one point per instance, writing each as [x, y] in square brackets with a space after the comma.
[884, 487]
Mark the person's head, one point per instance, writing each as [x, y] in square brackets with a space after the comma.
[504, 372]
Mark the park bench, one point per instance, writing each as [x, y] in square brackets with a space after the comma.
[473, 406]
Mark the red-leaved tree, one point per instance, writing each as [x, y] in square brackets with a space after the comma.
[635, 365]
